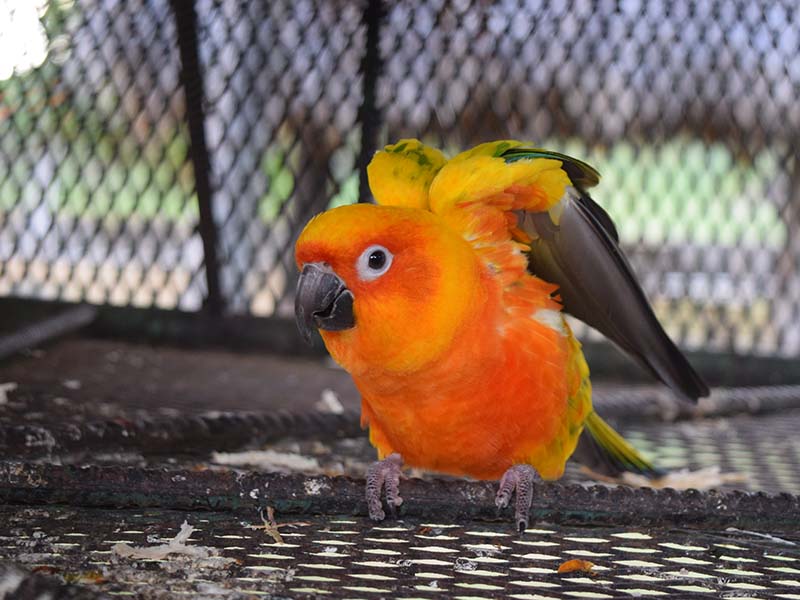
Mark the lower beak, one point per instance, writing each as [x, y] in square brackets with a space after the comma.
[322, 301]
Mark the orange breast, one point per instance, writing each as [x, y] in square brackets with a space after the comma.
[498, 398]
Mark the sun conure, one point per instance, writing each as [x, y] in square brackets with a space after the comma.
[446, 300]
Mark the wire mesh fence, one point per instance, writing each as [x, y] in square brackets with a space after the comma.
[283, 91]
[689, 110]
[96, 193]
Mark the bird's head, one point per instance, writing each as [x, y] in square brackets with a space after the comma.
[386, 286]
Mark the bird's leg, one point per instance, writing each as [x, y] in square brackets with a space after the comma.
[520, 478]
[384, 474]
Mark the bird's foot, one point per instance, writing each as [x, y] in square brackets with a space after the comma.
[384, 474]
[519, 478]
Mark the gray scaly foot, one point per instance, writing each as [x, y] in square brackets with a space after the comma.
[519, 478]
[384, 474]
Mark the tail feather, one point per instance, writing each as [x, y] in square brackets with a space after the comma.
[605, 451]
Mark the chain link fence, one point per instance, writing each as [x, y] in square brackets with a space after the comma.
[283, 91]
[96, 190]
[691, 111]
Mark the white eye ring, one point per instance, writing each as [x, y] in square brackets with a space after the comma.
[373, 262]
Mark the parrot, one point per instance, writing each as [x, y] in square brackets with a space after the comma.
[445, 301]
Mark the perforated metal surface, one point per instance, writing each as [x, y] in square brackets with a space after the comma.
[345, 557]
[451, 541]
[764, 448]
[689, 111]
[62, 425]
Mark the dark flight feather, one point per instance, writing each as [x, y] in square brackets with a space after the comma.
[581, 254]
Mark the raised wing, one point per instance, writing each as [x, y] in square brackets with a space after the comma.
[574, 242]
[575, 245]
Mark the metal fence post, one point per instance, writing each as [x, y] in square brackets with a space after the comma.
[192, 82]
[368, 113]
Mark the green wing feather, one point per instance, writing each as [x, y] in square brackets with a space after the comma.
[582, 175]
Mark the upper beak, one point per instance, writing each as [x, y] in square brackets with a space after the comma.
[322, 301]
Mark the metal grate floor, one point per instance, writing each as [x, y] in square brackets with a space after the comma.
[764, 449]
[756, 453]
[350, 557]
[85, 466]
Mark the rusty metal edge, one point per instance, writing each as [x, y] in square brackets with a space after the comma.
[172, 435]
[455, 501]
[234, 430]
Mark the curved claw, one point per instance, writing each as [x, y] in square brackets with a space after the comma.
[519, 478]
[384, 474]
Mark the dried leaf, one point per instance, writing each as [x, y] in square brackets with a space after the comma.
[176, 545]
[329, 403]
[271, 527]
[267, 460]
[47, 569]
[5, 388]
[702, 479]
[86, 577]
[576, 564]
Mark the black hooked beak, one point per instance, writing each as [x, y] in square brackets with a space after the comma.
[322, 301]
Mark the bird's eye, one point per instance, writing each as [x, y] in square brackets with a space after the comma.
[374, 262]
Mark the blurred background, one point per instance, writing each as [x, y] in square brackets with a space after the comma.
[133, 178]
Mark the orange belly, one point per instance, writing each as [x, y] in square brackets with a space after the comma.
[478, 413]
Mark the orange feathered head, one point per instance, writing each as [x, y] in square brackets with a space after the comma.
[387, 286]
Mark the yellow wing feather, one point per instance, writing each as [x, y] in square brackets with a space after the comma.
[411, 174]
[481, 173]
[401, 173]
